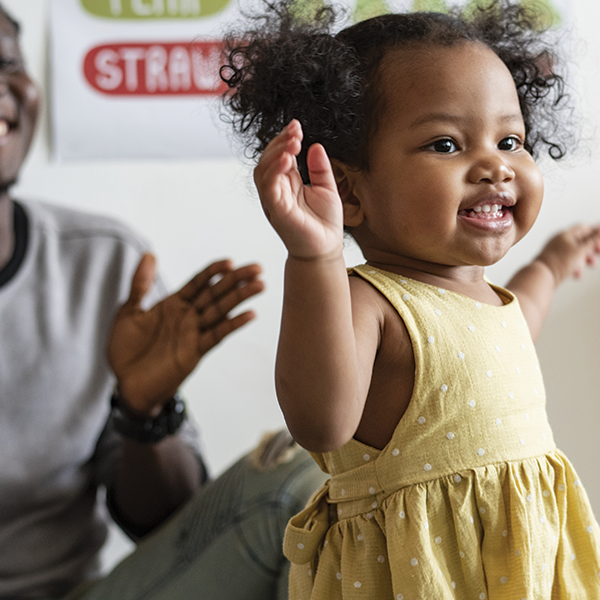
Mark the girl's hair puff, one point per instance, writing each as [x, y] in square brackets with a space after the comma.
[289, 66]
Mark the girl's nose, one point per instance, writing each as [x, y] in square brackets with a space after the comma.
[491, 169]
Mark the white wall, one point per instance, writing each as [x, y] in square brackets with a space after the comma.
[196, 211]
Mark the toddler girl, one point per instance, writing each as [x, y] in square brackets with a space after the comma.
[412, 380]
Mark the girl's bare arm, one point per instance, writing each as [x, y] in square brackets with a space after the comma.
[566, 254]
[323, 372]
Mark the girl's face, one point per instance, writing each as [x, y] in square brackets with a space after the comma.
[449, 182]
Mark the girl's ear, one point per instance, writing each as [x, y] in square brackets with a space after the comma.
[345, 180]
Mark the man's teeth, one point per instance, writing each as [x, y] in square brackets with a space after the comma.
[3, 128]
[487, 208]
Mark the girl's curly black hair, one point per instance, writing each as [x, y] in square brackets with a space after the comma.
[289, 67]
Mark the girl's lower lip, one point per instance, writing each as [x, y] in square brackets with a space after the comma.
[499, 223]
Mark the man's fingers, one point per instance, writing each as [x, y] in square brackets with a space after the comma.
[222, 329]
[142, 280]
[194, 287]
[214, 305]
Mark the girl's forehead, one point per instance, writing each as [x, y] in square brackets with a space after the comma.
[464, 77]
[420, 68]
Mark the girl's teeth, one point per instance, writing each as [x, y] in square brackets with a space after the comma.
[487, 208]
[3, 128]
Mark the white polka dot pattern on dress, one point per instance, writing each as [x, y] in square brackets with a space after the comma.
[380, 558]
[402, 514]
[444, 387]
[457, 478]
[405, 297]
[438, 311]
[366, 457]
[450, 435]
[438, 540]
[471, 328]
[481, 451]
[371, 490]
[427, 467]
[461, 355]
[421, 420]
[431, 339]
[300, 546]
[503, 579]
[414, 562]
[395, 452]
[357, 584]
[472, 403]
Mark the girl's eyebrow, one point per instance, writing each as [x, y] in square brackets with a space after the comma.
[459, 119]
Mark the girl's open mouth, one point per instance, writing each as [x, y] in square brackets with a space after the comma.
[489, 216]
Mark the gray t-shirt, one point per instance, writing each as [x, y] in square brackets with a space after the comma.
[55, 316]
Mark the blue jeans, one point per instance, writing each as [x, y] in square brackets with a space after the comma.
[225, 544]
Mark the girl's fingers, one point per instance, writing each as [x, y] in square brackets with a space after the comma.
[319, 168]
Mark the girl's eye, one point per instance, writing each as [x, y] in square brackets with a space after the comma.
[445, 146]
[510, 143]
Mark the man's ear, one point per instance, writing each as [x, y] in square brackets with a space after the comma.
[345, 178]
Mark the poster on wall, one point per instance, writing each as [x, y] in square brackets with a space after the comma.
[134, 79]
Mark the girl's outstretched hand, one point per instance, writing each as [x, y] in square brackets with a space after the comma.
[151, 352]
[308, 218]
[568, 252]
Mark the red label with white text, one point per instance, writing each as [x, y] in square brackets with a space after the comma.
[156, 69]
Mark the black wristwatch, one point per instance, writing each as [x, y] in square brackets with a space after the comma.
[147, 431]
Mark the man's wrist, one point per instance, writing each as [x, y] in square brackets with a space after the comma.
[147, 430]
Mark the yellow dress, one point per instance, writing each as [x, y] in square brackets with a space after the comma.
[470, 499]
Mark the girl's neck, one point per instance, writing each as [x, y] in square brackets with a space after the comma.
[466, 280]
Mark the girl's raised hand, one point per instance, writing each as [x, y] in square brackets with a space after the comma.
[308, 218]
[568, 252]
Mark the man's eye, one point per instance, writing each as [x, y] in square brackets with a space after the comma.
[445, 146]
[509, 143]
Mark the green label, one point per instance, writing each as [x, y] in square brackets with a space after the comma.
[548, 14]
[153, 9]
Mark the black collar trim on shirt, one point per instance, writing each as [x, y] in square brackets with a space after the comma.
[21, 228]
